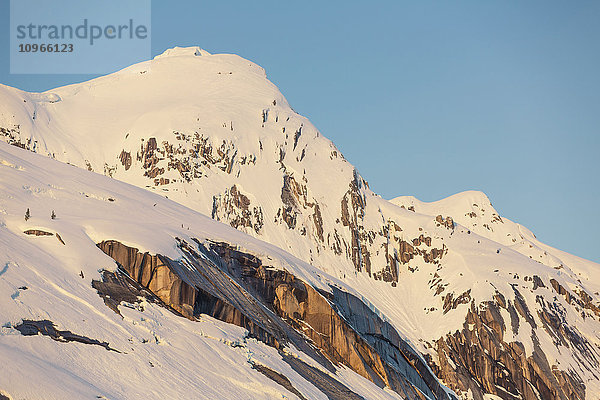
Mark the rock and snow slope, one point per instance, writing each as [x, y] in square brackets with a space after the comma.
[493, 310]
[51, 278]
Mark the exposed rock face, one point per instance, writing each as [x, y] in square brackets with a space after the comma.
[154, 274]
[279, 378]
[385, 340]
[376, 352]
[353, 211]
[117, 287]
[582, 299]
[329, 386]
[12, 136]
[447, 222]
[290, 194]
[235, 207]
[31, 328]
[309, 312]
[187, 155]
[299, 210]
[237, 288]
[37, 232]
[125, 159]
[478, 359]
[450, 303]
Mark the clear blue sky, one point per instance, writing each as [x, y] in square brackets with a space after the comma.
[427, 98]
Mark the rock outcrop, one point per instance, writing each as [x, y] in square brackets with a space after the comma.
[277, 308]
[37, 232]
[477, 359]
[235, 208]
[153, 273]
[47, 328]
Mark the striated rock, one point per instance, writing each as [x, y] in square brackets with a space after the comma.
[277, 308]
[396, 353]
[311, 313]
[329, 386]
[153, 273]
[117, 287]
[197, 286]
[477, 359]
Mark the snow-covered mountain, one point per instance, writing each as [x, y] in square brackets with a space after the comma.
[493, 311]
[118, 270]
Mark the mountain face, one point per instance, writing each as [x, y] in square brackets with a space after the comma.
[125, 294]
[489, 308]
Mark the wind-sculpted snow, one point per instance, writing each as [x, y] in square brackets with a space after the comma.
[213, 134]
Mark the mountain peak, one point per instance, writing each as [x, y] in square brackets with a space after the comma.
[183, 51]
[460, 202]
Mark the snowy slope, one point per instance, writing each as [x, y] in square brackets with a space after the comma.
[474, 211]
[212, 133]
[159, 354]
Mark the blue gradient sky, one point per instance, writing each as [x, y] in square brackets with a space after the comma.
[426, 98]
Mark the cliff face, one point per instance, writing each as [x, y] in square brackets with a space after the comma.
[152, 273]
[277, 308]
[478, 359]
